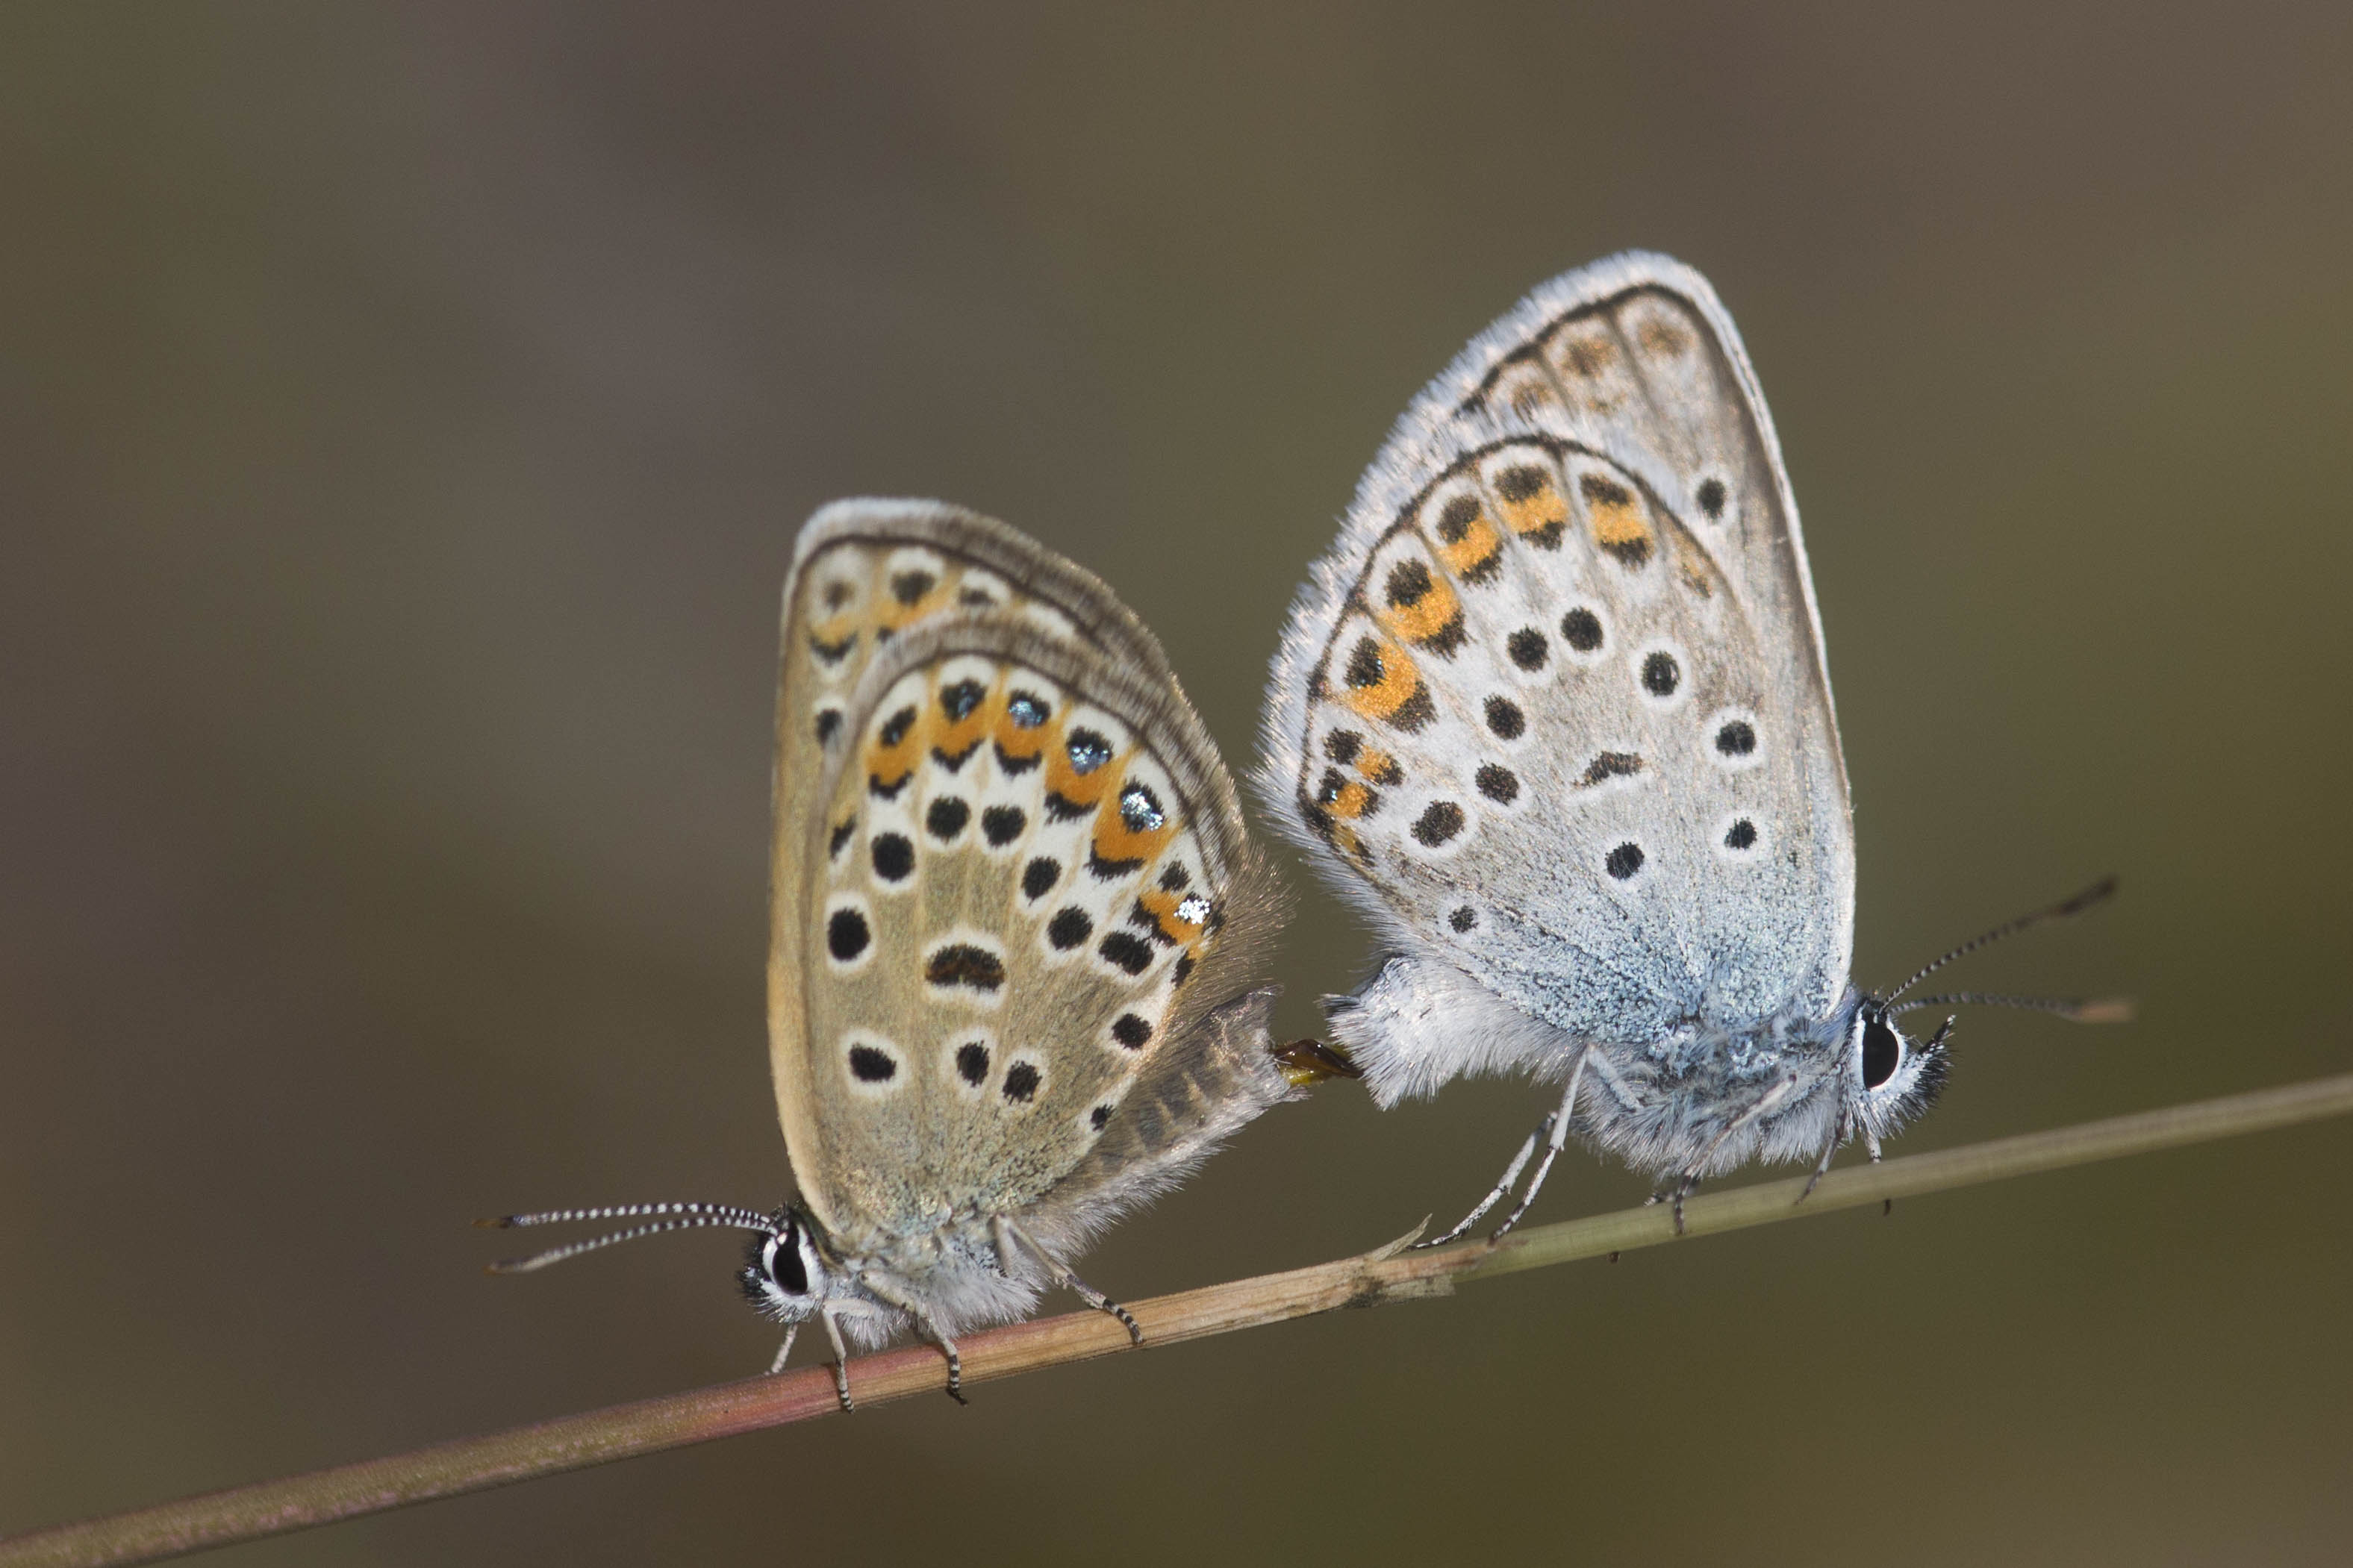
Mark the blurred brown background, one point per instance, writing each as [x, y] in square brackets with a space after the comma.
[405, 416]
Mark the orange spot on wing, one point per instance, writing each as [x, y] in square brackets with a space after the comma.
[1471, 553]
[894, 616]
[1617, 518]
[1162, 905]
[1531, 503]
[1077, 788]
[1020, 744]
[1349, 800]
[888, 764]
[1394, 690]
[955, 739]
[1431, 616]
[1114, 840]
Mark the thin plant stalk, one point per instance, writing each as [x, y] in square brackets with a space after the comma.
[1391, 1273]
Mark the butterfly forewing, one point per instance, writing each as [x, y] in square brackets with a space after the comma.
[1559, 697]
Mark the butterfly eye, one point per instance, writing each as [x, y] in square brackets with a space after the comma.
[785, 1265]
[1882, 1052]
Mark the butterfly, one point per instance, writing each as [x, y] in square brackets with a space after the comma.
[1554, 715]
[1016, 927]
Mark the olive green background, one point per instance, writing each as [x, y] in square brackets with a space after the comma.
[405, 416]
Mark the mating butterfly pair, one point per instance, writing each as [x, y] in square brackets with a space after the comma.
[1553, 713]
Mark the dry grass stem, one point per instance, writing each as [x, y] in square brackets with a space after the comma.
[1389, 1274]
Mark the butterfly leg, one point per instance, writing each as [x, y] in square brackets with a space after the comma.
[784, 1351]
[1551, 1133]
[1557, 1140]
[926, 1327]
[1495, 1193]
[1009, 1235]
[1762, 1105]
[840, 1361]
[1830, 1152]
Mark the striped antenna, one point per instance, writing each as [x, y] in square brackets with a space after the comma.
[678, 1216]
[2096, 894]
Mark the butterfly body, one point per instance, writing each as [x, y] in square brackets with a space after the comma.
[1554, 715]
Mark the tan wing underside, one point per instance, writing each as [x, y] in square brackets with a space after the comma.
[1081, 988]
[865, 574]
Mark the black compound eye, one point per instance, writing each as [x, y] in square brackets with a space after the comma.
[1882, 1051]
[785, 1263]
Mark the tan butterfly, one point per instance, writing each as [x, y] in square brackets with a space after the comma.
[1015, 923]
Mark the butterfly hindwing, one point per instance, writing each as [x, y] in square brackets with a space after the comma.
[1022, 884]
[1556, 701]
[866, 573]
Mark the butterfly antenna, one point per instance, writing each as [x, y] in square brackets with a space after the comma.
[676, 1216]
[2101, 1010]
[2097, 892]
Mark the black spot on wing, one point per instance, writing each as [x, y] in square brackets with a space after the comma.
[958, 700]
[964, 965]
[893, 855]
[1439, 821]
[1660, 674]
[1608, 765]
[846, 934]
[1126, 951]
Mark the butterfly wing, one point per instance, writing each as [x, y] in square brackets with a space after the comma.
[1011, 978]
[864, 571]
[1556, 710]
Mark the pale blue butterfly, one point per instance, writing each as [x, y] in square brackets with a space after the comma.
[1554, 715]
